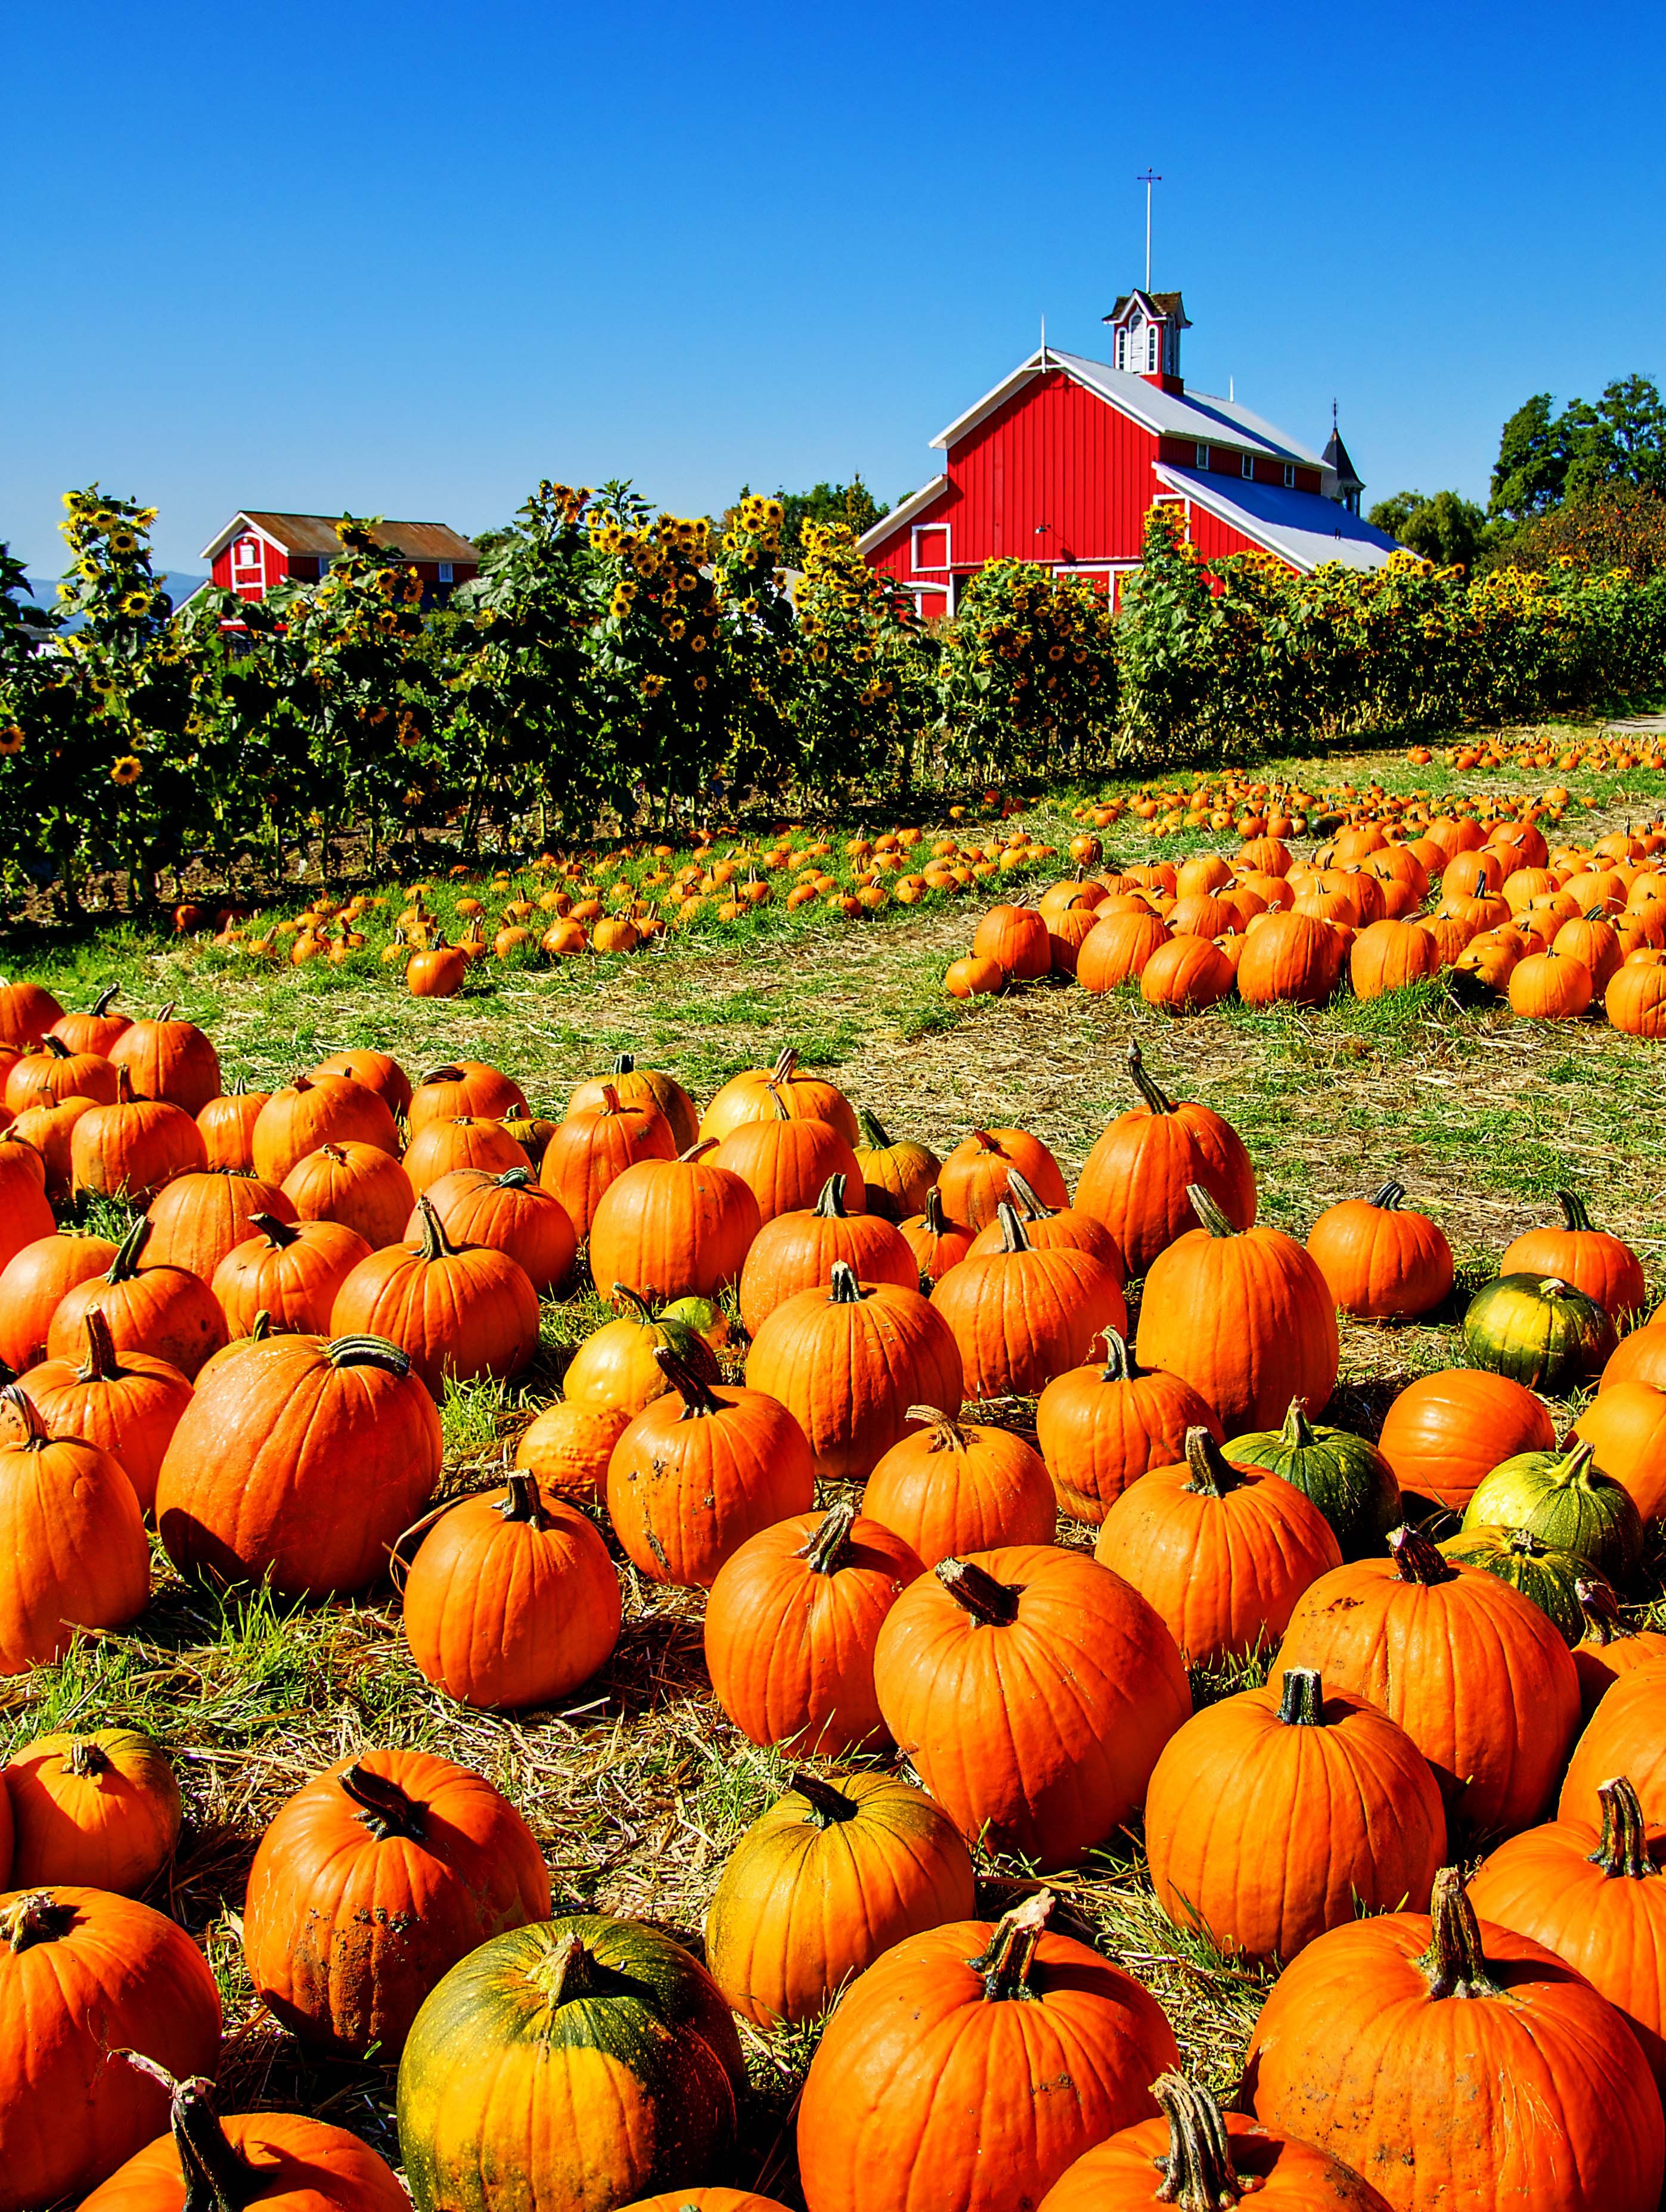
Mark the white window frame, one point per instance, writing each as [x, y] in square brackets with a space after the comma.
[249, 554]
[1290, 476]
[1247, 468]
[1153, 358]
[930, 567]
[1202, 454]
[445, 572]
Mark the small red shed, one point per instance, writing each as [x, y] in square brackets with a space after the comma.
[258, 549]
[1062, 461]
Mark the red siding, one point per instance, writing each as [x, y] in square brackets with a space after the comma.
[1055, 475]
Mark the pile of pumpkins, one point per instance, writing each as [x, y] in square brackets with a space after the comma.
[1553, 931]
[255, 1370]
[1254, 806]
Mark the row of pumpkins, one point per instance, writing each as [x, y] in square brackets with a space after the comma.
[1551, 932]
[1257, 805]
[1425, 1698]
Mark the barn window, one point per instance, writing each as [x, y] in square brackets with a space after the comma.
[931, 546]
[1128, 346]
[445, 572]
[1202, 455]
[1151, 336]
[1290, 476]
[1247, 466]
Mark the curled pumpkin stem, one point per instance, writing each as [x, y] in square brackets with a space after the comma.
[1622, 1851]
[384, 1807]
[991, 1604]
[828, 1548]
[699, 1400]
[828, 1805]
[1007, 1966]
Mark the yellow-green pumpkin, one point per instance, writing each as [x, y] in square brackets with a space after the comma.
[1568, 1503]
[1549, 1577]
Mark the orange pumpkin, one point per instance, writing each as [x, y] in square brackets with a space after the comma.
[1187, 975]
[379, 1071]
[226, 1125]
[1022, 1315]
[443, 1147]
[471, 1089]
[325, 1109]
[952, 1487]
[1137, 1178]
[638, 1086]
[1047, 1227]
[674, 1228]
[594, 1147]
[127, 1403]
[936, 1243]
[1446, 1431]
[759, 1094]
[1625, 1428]
[1099, 1428]
[172, 1314]
[1604, 1267]
[1380, 1262]
[129, 1150]
[977, 1174]
[566, 1450]
[170, 1060]
[290, 1271]
[359, 1185]
[101, 1811]
[71, 1538]
[786, 1163]
[510, 1212]
[199, 1217]
[795, 1251]
[94, 1030]
[461, 1312]
[33, 1280]
[1626, 1735]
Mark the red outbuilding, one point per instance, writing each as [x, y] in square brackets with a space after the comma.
[257, 551]
[1062, 462]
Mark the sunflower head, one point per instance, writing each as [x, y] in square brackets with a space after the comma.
[126, 770]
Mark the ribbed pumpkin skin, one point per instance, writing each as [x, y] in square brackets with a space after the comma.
[1135, 1178]
[1381, 1263]
[1603, 1657]
[1626, 1735]
[172, 1314]
[443, 1147]
[292, 1277]
[459, 1314]
[594, 1147]
[325, 1110]
[378, 1071]
[129, 1406]
[1048, 1728]
[686, 1488]
[1540, 2097]
[305, 2166]
[706, 2199]
[925, 2093]
[47, 1078]
[936, 1243]
[1048, 1228]
[27, 1011]
[796, 1252]
[117, 1974]
[1264, 1832]
[674, 1228]
[1475, 1675]
[1021, 1317]
[33, 1280]
[509, 2104]
[1446, 1431]
[1247, 1319]
[759, 1094]
[25, 1216]
[1222, 1573]
[1347, 1479]
[526, 1221]
[169, 1060]
[1605, 1268]
[359, 1185]
[1625, 1427]
[472, 1087]
[974, 1177]
[1101, 1428]
[346, 1930]
[199, 1217]
[1639, 1357]
[1566, 1501]
[100, 1811]
[952, 1487]
[849, 1373]
[252, 1482]
[226, 1125]
[1123, 2174]
[789, 1643]
[786, 1164]
[502, 1611]
[638, 1086]
[1115, 950]
[1552, 1339]
[73, 1545]
[130, 1149]
[806, 1903]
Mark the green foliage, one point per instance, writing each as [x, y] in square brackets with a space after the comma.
[1617, 526]
[1545, 458]
[1531, 469]
[860, 693]
[1028, 680]
[852, 505]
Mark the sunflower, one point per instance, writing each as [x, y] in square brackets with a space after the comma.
[135, 603]
[126, 770]
[123, 541]
[11, 739]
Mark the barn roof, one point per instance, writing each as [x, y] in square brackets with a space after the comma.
[1302, 527]
[316, 533]
[903, 511]
[1166, 303]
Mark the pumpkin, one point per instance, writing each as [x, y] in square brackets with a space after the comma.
[52, 1131]
[1099, 1428]
[531, 2023]
[1567, 1501]
[849, 1362]
[1291, 959]
[699, 1471]
[791, 1623]
[1625, 1426]
[1347, 1479]
[290, 1271]
[1016, 937]
[1137, 1178]
[1604, 1267]
[786, 1163]
[100, 1811]
[566, 1450]
[226, 1125]
[1445, 1430]
[1281, 1812]
[457, 1311]
[594, 1147]
[1538, 1330]
[83, 1971]
[896, 1174]
[1474, 1673]
[1639, 1357]
[976, 1176]
[1389, 955]
[674, 1228]
[1635, 1000]
[759, 1094]
[1187, 975]
[280, 2160]
[129, 1150]
[1021, 1316]
[169, 1060]
[936, 1243]
[94, 1030]
[200, 1217]
[1115, 950]
[706, 2199]
[164, 1311]
[639, 1086]
[1200, 2158]
[1550, 987]
[35, 1280]
[1609, 1647]
[1373, 2043]
[1382, 1262]
[615, 1370]
[378, 1071]
[444, 1147]
[471, 1088]
[834, 1874]
[795, 1251]
[127, 1403]
[1033, 1690]
[971, 978]
[1551, 1579]
[48, 1076]
[359, 1185]
[990, 2058]
[439, 971]
[25, 1216]
[253, 1481]
[1592, 939]
[1220, 1552]
[322, 1110]
[1244, 1316]
[1626, 1735]
[27, 1011]
[370, 1884]
[949, 1487]
[1048, 1227]
[511, 1600]
[509, 1213]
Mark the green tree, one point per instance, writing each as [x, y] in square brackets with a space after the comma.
[1448, 530]
[1393, 514]
[1622, 437]
[1531, 470]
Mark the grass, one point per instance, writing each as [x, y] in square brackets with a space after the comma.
[639, 1788]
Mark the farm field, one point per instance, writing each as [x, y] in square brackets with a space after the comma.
[639, 1787]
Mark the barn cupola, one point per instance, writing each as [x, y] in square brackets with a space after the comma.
[1145, 329]
[1340, 471]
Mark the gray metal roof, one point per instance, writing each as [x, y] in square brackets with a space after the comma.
[1302, 527]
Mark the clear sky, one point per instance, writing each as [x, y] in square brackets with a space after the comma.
[408, 258]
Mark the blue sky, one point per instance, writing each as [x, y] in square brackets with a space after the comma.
[407, 259]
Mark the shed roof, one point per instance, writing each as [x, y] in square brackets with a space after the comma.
[316, 533]
[1303, 527]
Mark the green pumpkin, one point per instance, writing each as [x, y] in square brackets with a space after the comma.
[1566, 1502]
[580, 2062]
[1538, 1330]
[1549, 1578]
[1347, 1479]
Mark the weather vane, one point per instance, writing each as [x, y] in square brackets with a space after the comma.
[1150, 178]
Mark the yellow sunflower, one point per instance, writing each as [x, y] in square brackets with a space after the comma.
[126, 770]
[11, 739]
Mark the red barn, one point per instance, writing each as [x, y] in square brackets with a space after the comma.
[1062, 461]
[257, 551]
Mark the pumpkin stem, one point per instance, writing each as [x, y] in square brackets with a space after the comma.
[948, 1435]
[126, 1094]
[697, 1151]
[1573, 1209]
[1025, 1195]
[100, 1364]
[826, 1804]
[566, 1970]
[261, 1327]
[699, 1400]
[1601, 1610]
[1301, 1703]
[35, 1916]
[644, 1311]
[1624, 1848]
[450, 1073]
[624, 1063]
[830, 1206]
[512, 1178]
[992, 1604]
[333, 1153]
[1119, 1365]
[1212, 1473]
[359, 1351]
[1013, 1238]
[125, 1264]
[778, 1098]
[87, 1758]
[1573, 1464]
[845, 1290]
[1416, 1559]
[165, 1011]
[1204, 1204]
[610, 1099]
[936, 1220]
[1155, 1101]
[1198, 2172]
[1455, 1965]
[106, 999]
[217, 2179]
[278, 1234]
[26, 1414]
[983, 1140]
[384, 1807]
[521, 1501]
[1006, 1966]
[56, 1046]
[879, 1137]
[434, 1244]
[1297, 1430]
[828, 1549]
[1387, 1195]
[782, 1070]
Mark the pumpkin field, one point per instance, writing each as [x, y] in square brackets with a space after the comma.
[671, 1565]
